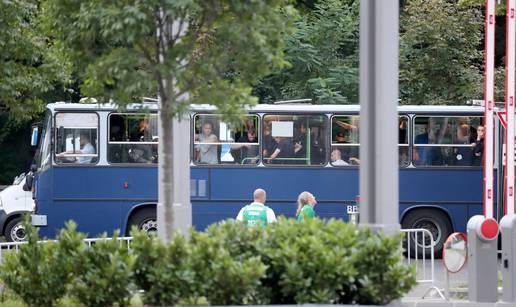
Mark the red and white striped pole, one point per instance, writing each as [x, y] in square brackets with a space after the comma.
[489, 108]
[510, 58]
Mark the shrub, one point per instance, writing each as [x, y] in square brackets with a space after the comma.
[325, 262]
[225, 279]
[165, 273]
[39, 273]
[104, 276]
[320, 261]
[382, 277]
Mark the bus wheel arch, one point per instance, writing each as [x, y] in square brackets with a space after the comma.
[435, 220]
[144, 218]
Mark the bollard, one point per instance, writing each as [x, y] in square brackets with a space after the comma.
[508, 229]
[483, 259]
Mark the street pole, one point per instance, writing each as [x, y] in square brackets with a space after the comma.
[379, 38]
[174, 211]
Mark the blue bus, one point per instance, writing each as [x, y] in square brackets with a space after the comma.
[98, 166]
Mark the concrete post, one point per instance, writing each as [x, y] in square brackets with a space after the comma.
[508, 229]
[482, 258]
[379, 114]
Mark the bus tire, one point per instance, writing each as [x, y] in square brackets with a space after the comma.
[434, 221]
[15, 231]
[145, 220]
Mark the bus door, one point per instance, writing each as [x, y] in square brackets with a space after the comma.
[500, 140]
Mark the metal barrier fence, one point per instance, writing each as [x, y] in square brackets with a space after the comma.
[10, 247]
[419, 245]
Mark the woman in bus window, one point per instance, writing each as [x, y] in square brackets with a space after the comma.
[206, 153]
[305, 206]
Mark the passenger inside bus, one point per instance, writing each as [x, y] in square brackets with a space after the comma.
[206, 153]
[246, 153]
[349, 153]
[336, 158]
[478, 146]
[142, 153]
[85, 148]
[299, 140]
[268, 142]
[284, 151]
[423, 155]
[463, 155]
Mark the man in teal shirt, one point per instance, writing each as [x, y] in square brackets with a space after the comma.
[256, 213]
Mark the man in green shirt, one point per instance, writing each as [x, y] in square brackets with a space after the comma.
[305, 206]
[256, 213]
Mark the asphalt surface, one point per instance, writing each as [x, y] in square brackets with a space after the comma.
[458, 281]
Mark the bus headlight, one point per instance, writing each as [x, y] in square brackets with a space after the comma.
[33, 205]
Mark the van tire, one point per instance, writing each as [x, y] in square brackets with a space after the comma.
[15, 231]
[435, 221]
[144, 219]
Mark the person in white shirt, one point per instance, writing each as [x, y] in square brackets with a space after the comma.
[336, 158]
[86, 148]
[256, 213]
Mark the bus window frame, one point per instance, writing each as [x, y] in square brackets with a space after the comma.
[408, 144]
[413, 145]
[331, 143]
[108, 132]
[326, 123]
[54, 141]
[221, 164]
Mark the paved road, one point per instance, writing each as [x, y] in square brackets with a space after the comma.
[457, 280]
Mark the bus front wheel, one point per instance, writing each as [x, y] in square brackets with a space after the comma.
[144, 220]
[15, 231]
[436, 222]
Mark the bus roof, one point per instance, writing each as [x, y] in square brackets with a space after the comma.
[296, 108]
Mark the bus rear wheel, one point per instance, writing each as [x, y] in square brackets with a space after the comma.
[144, 220]
[436, 222]
[15, 231]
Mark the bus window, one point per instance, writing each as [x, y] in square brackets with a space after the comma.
[218, 142]
[403, 145]
[444, 141]
[133, 138]
[345, 145]
[294, 139]
[76, 138]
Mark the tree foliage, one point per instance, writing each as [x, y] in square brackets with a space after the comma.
[439, 58]
[28, 70]
[440, 54]
[323, 57]
[214, 49]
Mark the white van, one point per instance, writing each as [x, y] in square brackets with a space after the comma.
[14, 203]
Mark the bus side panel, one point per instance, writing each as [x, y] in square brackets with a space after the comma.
[284, 184]
[457, 191]
[229, 189]
[116, 189]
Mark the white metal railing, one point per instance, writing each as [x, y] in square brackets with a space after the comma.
[419, 243]
[9, 247]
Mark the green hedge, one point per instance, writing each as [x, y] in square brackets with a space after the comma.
[327, 262]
